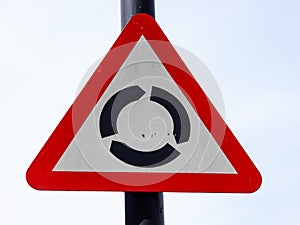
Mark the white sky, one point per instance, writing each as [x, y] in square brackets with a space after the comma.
[251, 47]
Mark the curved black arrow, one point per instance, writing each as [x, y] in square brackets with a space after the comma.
[113, 107]
[143, 159]
[181, 121]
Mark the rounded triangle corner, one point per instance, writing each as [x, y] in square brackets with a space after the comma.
[139, 19]
[250, 183]
[30, 178]
[257, 182]
[142, 16]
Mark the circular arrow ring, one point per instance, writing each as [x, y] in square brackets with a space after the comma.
[158, 157]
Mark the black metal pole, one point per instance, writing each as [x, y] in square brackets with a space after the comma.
[144, 208]
[132, 7]
[141, 208]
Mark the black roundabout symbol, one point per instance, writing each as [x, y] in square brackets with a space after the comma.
[158, 157]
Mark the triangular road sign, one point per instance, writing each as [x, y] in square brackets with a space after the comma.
[143, 123]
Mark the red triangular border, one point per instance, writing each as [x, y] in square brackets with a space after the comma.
[40, 175]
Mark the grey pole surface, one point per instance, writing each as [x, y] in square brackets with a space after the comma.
[141, 208]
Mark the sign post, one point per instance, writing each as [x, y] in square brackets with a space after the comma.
[141, 208]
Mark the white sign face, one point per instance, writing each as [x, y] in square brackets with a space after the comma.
[144, 123]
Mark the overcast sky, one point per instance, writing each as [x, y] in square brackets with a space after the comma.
[250, 46]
